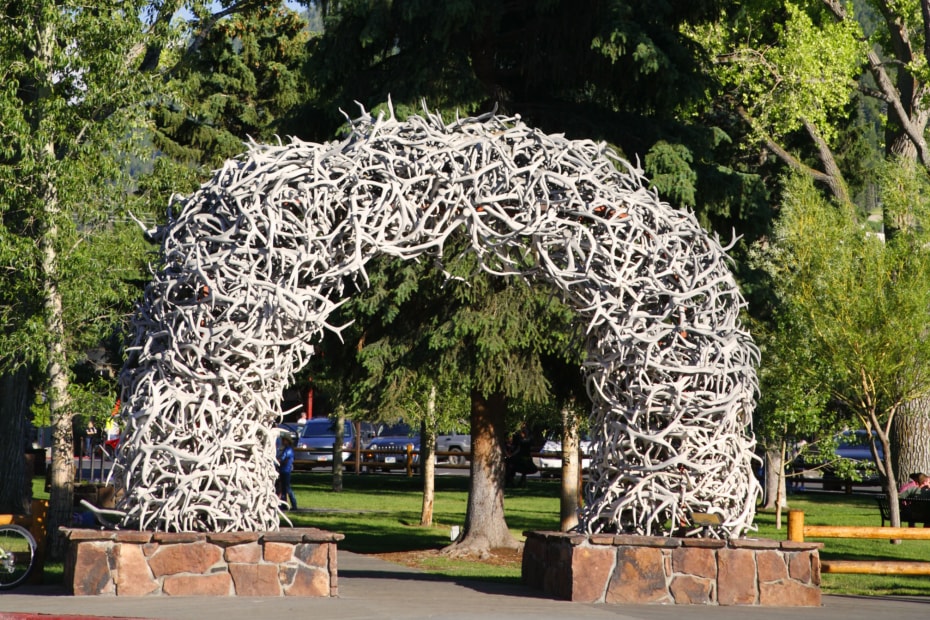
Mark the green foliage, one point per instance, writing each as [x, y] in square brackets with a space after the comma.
[69, 110]
[545, 60]
[240, 82]
[904, 192]
[862, 304]
[801, 67]
[669, 169]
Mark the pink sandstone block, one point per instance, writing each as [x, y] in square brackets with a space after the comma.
[789, 594]
[311, 554]
[771, 566]
[308, 582]
[639, 577]
[691, 590]
[195, 557]
[799, 566]
[591, 571]
[736, 577]
[696, 561]
[250, 552]
[217, 584]
[133, 577]
[278, 553]
[91, 574]
[255, 579]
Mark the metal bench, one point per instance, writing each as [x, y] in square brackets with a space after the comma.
[913, 510]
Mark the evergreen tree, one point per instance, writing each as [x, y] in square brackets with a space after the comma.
[239, 82]
[623, 71]
[462, 335]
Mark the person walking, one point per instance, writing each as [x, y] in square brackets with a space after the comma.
[285, 467]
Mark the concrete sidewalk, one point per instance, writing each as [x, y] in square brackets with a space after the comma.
[372, 588]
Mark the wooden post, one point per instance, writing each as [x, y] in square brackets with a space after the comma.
[409, 460]
[796, 525]
[357, 446]
[38, 529]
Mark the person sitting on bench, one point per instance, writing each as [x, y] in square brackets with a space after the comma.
[917, 484]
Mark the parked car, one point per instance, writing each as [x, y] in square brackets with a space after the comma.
[390, 445]
[317, 437]
[454, 442]
[549, 462]
[850, 461]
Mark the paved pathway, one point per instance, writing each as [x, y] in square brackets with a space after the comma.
[371, 588]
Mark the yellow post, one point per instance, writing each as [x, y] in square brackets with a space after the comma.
[796, 525]
[38, 529]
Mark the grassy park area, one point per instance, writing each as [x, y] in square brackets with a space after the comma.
[380, 514]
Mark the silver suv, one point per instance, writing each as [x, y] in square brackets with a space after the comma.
[458, 443]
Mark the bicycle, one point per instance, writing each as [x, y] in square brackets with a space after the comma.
[17, 555]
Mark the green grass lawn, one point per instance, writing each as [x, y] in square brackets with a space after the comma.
[380, 513]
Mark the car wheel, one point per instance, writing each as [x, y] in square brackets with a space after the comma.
[456, 459]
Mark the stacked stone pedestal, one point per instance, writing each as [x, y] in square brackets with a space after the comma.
[291, 562]
[683, 571]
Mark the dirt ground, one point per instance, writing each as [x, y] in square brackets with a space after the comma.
[511, 558]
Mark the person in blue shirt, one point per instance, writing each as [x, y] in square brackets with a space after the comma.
[285, 467]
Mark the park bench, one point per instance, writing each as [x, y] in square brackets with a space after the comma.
[913, 510]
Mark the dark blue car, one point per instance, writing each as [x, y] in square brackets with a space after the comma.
[317, 437]
[390, 446]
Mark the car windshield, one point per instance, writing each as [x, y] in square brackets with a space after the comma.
[323, 428]
[396, 430]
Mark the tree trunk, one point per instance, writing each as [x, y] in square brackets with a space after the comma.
[910, 439]
[774, 482]
[428, 459]
[61, 496]
[15, 481]
[337, 448]
[890, 486]
[485, 527]
[571, 471]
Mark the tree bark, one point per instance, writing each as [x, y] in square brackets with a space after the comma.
[61, 497]
[571, 471]
[910, 439]
[337, 448]
[15, 481]
[485, 526]
[774, 483]
[428, 459]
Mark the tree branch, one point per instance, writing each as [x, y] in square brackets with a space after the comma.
[836, 185]
[837, 8]
[833, 174]
[893, 98]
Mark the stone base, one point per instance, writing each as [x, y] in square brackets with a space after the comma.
[605, 568]
[291, 562]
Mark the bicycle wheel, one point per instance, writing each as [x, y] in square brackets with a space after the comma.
[17, 555]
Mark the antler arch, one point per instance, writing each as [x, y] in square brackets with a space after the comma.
[258, 258]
